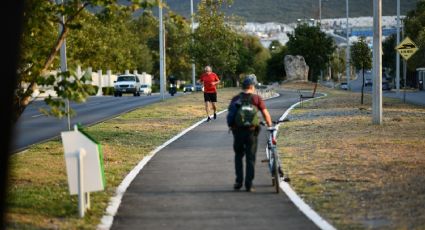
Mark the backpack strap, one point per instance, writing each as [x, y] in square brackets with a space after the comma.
[246, 97]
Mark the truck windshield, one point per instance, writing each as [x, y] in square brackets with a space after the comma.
[125, 78]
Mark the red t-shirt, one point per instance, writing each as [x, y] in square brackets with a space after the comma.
[208, 79]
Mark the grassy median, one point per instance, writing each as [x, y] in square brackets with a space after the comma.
[355, 174]
[38, 191]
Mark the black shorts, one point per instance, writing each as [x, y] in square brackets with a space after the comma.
[212, 97]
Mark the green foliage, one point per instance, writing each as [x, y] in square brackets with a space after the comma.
[252, 57]
[361, 55]
[338, 63]
[275, 66]
[314, 45]
[215, 42]
[101, 42]
[388, 48]
[415, 29]
[108, 90]
[361, 58]
[275, 46]
[66, 87]
[177, 40]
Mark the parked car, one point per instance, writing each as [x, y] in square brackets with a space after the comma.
[343, 86]
[188, 88]
[146, 89]
[128, 83]
[367, 82]
[199, 87]
[386, 86]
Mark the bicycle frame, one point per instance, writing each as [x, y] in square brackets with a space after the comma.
[272, 155]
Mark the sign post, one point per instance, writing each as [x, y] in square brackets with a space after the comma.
[84, 166]
[406, 49]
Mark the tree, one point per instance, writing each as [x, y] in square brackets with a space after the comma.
[415, 29]
[275, 46]
[252, 58]
[215, 42]
[40, 45]
[388, 48]
[314, 45]
[177, 42]
[337, 63]
[361, 58]
[276, 66]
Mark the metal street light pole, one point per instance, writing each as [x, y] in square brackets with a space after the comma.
[161, 54]
[64, 66]
[397, 79]
[348, 72]
[193, 30]
[320, 10]
[377, 63]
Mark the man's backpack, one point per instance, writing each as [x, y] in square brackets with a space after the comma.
[244, 112]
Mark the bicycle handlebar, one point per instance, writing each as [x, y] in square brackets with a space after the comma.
[274, 122]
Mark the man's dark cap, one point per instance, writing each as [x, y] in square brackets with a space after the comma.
[249, 80]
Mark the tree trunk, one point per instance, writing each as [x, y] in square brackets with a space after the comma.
[21, 101]
[362, 86]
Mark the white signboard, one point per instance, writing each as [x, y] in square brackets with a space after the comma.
[93, 176]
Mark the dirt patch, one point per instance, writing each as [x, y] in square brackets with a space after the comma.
[355, 174]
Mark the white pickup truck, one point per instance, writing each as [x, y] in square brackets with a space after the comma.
[128, 83]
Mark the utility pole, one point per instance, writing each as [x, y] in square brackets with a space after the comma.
[377, 63]
[64, 66]
[348, 71]
[397, 78]
[193, 30]
[161, 54]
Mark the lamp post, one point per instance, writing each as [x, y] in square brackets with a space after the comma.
[348, 72]
[193, 30]
[161, 53]
[64, 66]
[320, 12]
[377, 63]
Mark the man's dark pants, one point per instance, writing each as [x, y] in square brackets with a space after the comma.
[245, 144]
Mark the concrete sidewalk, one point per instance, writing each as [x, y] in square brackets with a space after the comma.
[189, 185]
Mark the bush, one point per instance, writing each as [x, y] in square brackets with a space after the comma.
[94, 92]
[155, 88]
[108, 90]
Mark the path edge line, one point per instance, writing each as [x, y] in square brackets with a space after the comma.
[293, 196]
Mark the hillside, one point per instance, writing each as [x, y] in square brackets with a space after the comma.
[287, 11]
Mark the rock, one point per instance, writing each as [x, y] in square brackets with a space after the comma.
[296, 69]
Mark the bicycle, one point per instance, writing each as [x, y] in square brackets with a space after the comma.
[273, 156]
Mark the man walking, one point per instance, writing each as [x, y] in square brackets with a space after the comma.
[243, 121]
[210, 81]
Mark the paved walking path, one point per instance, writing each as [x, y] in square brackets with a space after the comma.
[188, 185]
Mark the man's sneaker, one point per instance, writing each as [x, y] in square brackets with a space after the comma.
[208, 119]
[280, 172]
[250, 189]
[237, 186]
[215, 116]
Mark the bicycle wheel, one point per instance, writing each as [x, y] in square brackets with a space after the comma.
[276, 171]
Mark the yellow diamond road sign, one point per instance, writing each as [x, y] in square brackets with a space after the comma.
[407, 48]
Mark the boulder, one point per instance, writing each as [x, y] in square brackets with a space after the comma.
[296, 69]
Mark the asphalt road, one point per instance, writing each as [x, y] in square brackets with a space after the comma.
[34, 127]
[413, 97]
[189, 185]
